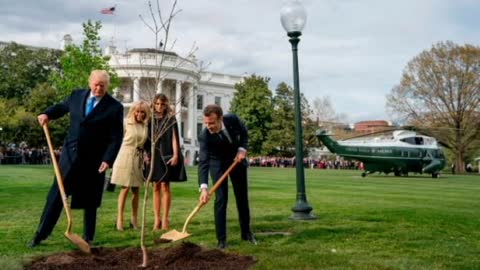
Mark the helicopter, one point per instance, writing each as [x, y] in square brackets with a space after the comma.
[401, 152]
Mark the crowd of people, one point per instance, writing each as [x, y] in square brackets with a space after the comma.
[26, 155]
[312, 163]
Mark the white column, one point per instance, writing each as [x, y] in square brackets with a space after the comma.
[136, 89]
[192, 121]
[159, 86]
[178, 107]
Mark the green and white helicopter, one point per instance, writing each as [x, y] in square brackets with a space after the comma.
[401, 152]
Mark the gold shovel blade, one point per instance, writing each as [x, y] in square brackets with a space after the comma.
[78, 241]
[173, 236]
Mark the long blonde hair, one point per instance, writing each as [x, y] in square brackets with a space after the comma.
[139, 106]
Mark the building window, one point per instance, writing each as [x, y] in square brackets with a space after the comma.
[218, 101]
[200, 102]
[199, 129]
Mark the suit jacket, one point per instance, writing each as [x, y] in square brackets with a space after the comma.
[215, 149]
[90, 140]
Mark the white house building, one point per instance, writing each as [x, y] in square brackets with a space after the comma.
[144, 72]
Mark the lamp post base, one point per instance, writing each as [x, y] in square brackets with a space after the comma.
[301, 211]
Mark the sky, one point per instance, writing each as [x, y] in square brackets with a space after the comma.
[352, 51]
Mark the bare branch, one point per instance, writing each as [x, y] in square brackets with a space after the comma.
[146, 24]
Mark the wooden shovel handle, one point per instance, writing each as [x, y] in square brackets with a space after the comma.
[223, 177]
[58, 175]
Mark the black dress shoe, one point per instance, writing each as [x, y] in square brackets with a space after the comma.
[222, 244]
[35, 242]
[250, 238]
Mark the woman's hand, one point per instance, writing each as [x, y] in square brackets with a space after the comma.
[146, 159]
[173, 161]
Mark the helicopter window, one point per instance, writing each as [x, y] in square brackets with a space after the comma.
[418, 140]
[413, 140]
[409, 140]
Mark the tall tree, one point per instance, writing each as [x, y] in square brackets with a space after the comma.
[22, 68]
[281, 140]
[253, 103]
[440, 92]
[78, 61]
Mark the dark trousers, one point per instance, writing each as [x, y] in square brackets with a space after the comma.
[51, 213]
[239, 180]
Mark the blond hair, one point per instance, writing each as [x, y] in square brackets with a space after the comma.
[139, 106]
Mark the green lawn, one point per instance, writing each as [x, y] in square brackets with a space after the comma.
[376, 222]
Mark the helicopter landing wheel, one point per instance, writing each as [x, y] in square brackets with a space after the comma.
[364, 174]
[434, 175]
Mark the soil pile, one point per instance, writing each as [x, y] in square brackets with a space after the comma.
[185, 256]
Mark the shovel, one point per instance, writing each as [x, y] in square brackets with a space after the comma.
[74, 238]
[175, 235]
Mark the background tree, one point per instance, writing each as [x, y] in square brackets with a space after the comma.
[40, 98]
[7, 121]
[281, 139]
[22, 68]
[439, 92]
[18, 125]
[324, 113]
[252, 102]
[310, 126]
[78, 61]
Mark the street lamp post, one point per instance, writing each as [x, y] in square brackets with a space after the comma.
[293, 18]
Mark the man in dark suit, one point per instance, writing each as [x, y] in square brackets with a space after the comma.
[224, 139]
[90, 147]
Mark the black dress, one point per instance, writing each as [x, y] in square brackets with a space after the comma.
[164, 130]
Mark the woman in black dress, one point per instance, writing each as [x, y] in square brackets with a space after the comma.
[167, 159]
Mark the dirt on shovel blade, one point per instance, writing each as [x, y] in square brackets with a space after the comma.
[184, 256]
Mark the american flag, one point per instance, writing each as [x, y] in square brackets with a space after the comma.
[109, 10]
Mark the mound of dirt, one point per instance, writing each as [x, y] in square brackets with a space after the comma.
[185, 256]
